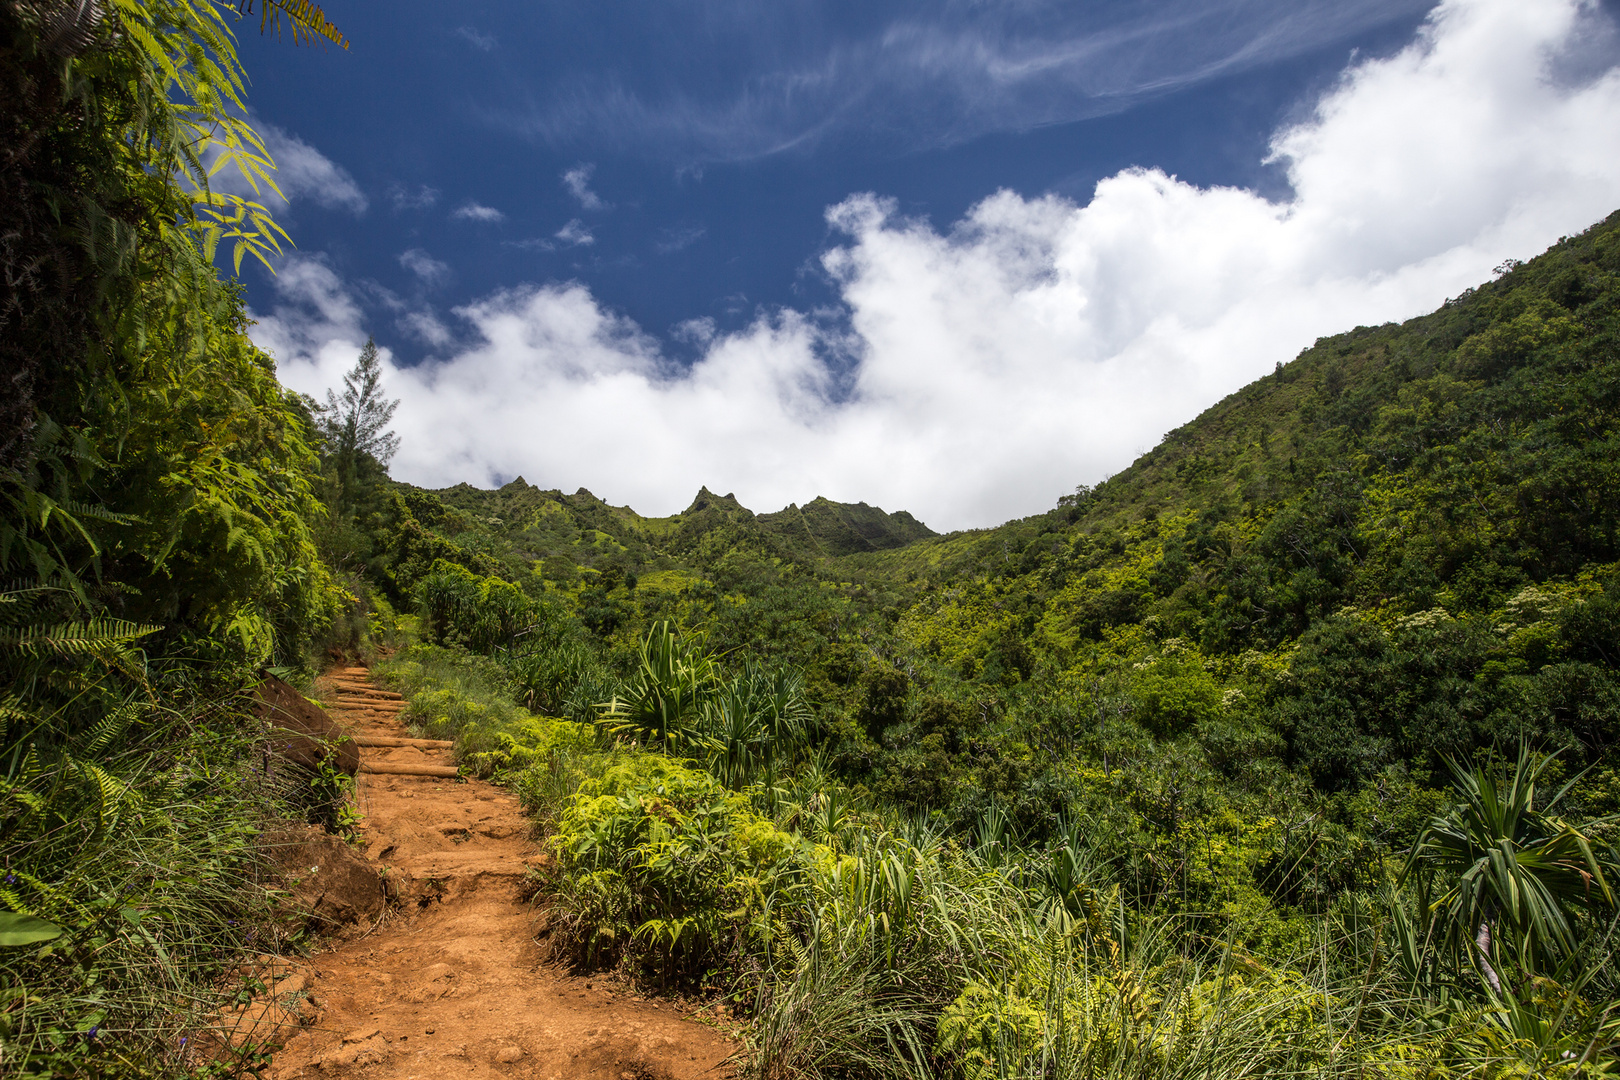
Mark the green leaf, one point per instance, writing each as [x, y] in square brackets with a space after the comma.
[16, 929]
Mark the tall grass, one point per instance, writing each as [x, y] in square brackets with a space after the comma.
[141, 850]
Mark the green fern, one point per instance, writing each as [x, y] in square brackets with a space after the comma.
[76, 638]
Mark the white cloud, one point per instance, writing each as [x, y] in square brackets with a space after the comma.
[575, 233]
[315, 333]
[695, 331]
[1037, 343]
[302, 173]
[421, 197]
[920, 74]
[477, 39]
[424, 266]
[577, 180]
[426, 327]
[477, 212]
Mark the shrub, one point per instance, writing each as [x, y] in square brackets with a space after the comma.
[663, 867]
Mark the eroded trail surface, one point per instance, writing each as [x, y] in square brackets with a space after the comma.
[451, 983]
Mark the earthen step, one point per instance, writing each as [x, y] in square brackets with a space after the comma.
[384, 768]
[366, 691]
[389, 740]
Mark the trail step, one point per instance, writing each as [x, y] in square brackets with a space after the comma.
[384, 768]
[390, 740]
[367, 691]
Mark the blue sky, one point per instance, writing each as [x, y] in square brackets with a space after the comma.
[954, 258]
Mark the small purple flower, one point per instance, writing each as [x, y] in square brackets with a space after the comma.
[91, 1034]
[11, 879]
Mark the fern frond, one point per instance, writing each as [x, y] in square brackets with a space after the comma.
[76, 638]
[307, 20]
[109, 729]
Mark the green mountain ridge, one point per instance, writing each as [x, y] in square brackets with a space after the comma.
[1456, 471]
[554, 523]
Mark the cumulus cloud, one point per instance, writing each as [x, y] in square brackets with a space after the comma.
[302, 173]
[424, 266]
[425, 327]
[316, 329]
[575, 233]
[980, 370]
[694, 331]
[577, 180]
[477, 212]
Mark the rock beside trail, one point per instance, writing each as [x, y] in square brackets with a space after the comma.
[331, 884]
[300, 730]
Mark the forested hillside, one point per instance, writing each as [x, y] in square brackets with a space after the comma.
[1400, 547]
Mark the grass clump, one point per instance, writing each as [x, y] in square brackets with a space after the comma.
[132, 885]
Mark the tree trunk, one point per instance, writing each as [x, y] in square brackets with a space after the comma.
[1482, 941]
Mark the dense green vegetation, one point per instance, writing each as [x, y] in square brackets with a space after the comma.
[160, 502]
[1290, 749]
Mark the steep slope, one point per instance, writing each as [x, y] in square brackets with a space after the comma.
[1401, 545]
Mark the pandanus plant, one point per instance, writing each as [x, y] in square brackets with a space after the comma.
[754, 723]
[662, 703]
[1506, 878]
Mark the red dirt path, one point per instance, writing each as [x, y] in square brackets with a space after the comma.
[452, 984]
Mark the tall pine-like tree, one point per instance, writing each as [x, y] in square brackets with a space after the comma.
[354, 424]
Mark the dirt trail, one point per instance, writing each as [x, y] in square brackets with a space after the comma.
[452, 984]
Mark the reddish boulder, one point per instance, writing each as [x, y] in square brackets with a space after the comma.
[300, 731]
[329, 884]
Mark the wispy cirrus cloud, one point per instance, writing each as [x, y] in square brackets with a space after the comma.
[476, 38]
[417, 197]
[929, 75]
[678, 237]
[576, 234]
